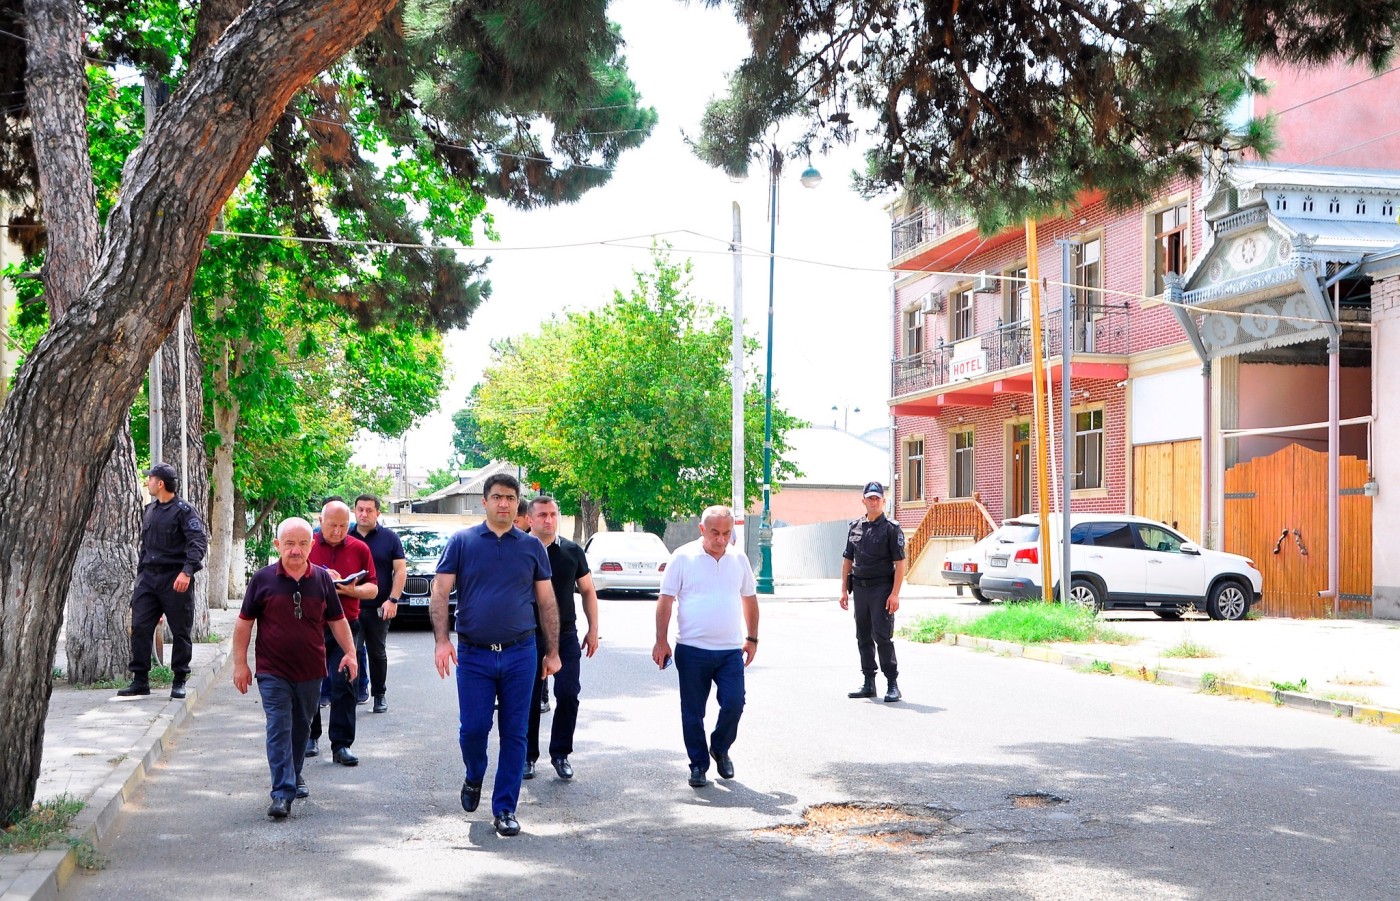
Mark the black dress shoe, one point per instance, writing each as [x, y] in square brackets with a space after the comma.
[723, 765]
[177, 688]
[343, 757]
[561, 766]
[380, 705]
[134, 689]
[302, 790]
[471, 796]
[279, 808]
[697, 777]
[529, 770]
[506, 824]
[311, 749]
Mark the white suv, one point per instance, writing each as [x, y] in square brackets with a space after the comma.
[1121, 562]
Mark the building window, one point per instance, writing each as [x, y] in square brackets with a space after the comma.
[1361, 206]
[1308, 204]
[1088, 449]
[1334, 205]
[960, 315]
[1088, 275]
[963, 468]
[1387, 208]
[913, 332]
[914, 469]
[1281, 203]
[1015, 295]
[1170, 245]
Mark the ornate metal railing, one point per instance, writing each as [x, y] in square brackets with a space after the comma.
[1007, 346]
[923, 225]
[950, 519]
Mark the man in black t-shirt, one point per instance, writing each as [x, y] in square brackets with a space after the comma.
[570, 570]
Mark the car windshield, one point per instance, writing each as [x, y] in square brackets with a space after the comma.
[1018, 533]
[626, 543]
[422, 544]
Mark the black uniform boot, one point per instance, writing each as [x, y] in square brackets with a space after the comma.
[892, 693]
[136, 688]
[865, 691]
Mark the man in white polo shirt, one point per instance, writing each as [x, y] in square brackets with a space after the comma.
[717, 637]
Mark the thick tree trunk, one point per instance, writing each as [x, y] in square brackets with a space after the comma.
[58, 426]
[187, 443]
[587, 521]
[238, 556]
[98, 622]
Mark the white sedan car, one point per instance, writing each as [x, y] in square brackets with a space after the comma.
[626, 561]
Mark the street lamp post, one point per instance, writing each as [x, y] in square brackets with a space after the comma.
[810, 179]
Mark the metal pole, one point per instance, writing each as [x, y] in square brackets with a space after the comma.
[1042, 449]
[736, 458]
[1334, 450]
[765, 525]
[1066, 416]
[1207, 463]
[184, 407]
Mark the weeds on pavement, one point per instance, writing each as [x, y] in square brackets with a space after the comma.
[1026, 623]
[1300, 686]
[46, 821]
[1099, 666]
[1210, 683]
[1350, 697]
[1188, 648]
[930, 629]
[159, 675]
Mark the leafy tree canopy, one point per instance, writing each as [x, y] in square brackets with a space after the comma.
[630, 404]
[467, 448]
[1012, 107]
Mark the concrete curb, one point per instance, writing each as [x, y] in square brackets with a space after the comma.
[48, 871]
[1365, 713]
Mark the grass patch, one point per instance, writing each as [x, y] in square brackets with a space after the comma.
[1352, 697]
[1365, 681]
[931, 629]
[212, 638]
[1099, 666]
[1188, 648]
[45, 822]
[1300, 686]
[1210, 683]
[159, 675]
[1039, 623]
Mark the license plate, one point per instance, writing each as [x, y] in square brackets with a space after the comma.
[997, 561]
[416, 602]
[644, 567]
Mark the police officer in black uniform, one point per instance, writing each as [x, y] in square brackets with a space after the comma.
[173, 542]
[872, 569]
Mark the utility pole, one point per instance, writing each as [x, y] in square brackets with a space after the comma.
[1042, 420]
[736, 455]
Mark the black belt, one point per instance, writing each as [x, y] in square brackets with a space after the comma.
[498, 645]
[878, 580]
[162, 568]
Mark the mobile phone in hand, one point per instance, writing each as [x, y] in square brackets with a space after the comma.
[353, 577]
[666, 663]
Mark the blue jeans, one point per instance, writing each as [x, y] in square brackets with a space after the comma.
[288, 707]
[697, 668]
[485, 677]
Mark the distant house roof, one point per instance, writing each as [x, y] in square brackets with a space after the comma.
[470, 482]
[830, 457]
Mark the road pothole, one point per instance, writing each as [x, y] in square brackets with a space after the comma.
[1035, 800]
[855, 824]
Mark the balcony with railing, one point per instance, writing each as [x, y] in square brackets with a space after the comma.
[924, 225]
[973, 371]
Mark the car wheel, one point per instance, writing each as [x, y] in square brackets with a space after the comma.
[1227, 601]
[1086, 594]
[981, 598]
[1172, 615]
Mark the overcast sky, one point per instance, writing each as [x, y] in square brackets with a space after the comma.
[831, 307]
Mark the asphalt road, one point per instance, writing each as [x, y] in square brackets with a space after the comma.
[1163, 793]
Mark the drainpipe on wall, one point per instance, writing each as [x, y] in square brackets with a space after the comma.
[1334, 473]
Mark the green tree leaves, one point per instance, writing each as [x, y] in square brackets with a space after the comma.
[629, 405]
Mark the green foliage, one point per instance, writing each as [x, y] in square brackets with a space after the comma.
[1010, 108]
[1189, 649]
[466, 437]
[44, 823]
[1300, 686]
[1039, 623]
[930, 629]
[1100, 666]
[1210, 683]
[437, 480]
[630, 404]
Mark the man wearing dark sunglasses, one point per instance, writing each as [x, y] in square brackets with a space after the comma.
[292, 602]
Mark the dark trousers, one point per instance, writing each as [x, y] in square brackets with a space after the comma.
[288, 707]
[697, 669]
[342, 731]
[566, 691]
[375, 630]
[153, 597]
[485, 679]
[875, 628]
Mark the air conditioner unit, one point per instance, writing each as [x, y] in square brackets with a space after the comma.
[985, 283]
[935, 302]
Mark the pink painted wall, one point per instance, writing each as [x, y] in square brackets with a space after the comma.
[1273, 395]
[798, 506]
[1353, 116]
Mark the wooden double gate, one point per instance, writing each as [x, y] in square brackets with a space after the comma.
[1276, 514]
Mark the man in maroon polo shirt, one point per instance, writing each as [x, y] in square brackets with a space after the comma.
[343, 555]
[294, 604]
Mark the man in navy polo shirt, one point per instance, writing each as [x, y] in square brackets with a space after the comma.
[292, 601]
[501, 574]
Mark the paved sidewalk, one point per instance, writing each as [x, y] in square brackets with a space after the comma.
[100, 748]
